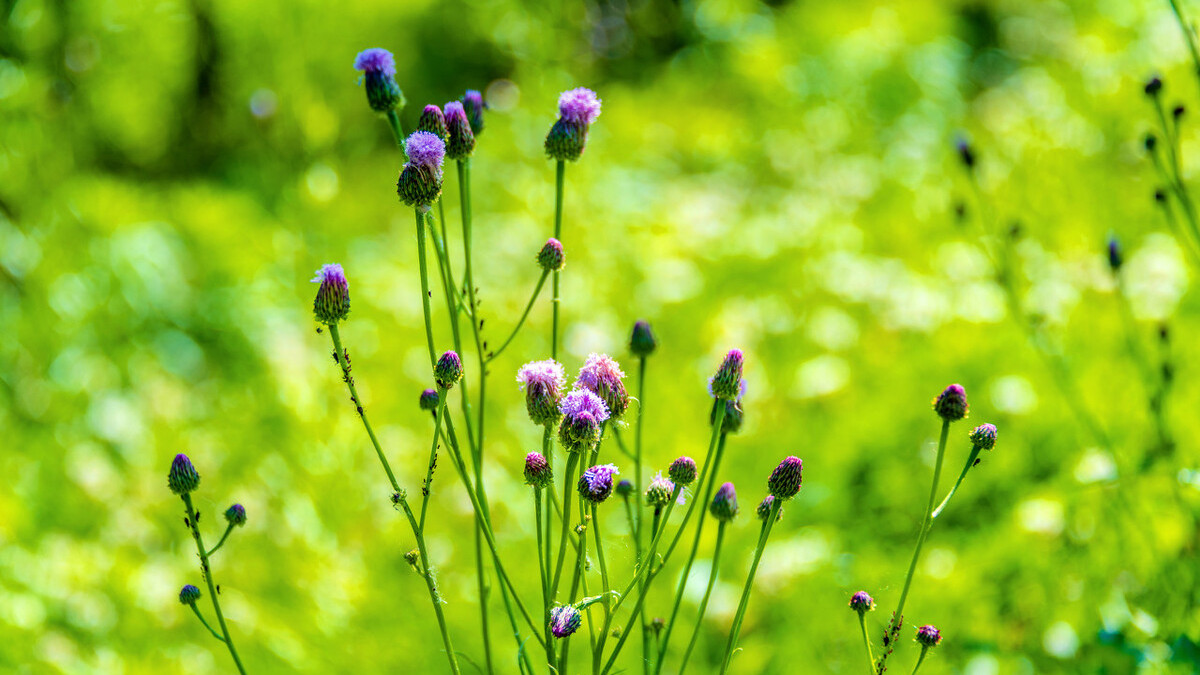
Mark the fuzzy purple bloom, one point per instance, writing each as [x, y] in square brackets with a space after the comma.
[596, 482]
[580, 401]
[182, 478]
[602, 375]
[425, 149]
[785, 480]
[375, 60]
[951, 404]
[543, 383]
[929, 636]
[565, 620]
[579, 106]
[332, 303]
[861, 602]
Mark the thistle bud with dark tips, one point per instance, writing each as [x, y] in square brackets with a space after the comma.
[624, 488]
[183, 477]
[379, 75]
[429, 400]
[929, 636]
[682, 471]
[583, 412]
[433, 121]
[596, 482]
[577, 109]
[984, 436]
[1116, 257]
[1177, 112]
[785, 480]
[1160, 196]
[474, 106]
[862, 603]
[724, 505]
[764, 509]
[565, 620]
[641, 340]
[727, 383]
[449, 370]
[332, 303]
[235, 515]
[420, 182]
[537, 470]
[189, 594]
[951, 404]
[1153, 86]
[543, 382]
[552, 258]
[461, 141]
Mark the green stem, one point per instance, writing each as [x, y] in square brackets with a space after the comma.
[926, 523]
[605, 587]
[425, 287]
[712, 580]
[648, 650]
[560, 169]
[427, 489]
[520, 322]
[862, 623]
[742, 604]
[1187, 35]
[543, 573]
[393, 119]
[225, 536]
[572, 462]
[340, 354]
[709, 464]
[920, 659]
[966, 467]
[201, 617]
[435, 598]
[206, 572]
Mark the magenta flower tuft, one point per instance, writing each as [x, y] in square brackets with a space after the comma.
[543, 383]
[579, 106]
[596, 482]
[929, 636]
[861, 602]
[565, 620]
[580, 401]
[375, 60]
[537, 470]
[379, 75]
[332, 303]
[425, 149]
[602, 375]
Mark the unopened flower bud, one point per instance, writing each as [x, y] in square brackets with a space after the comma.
[1153, 86]
[724, 505]
[966, 154]
[565, 620]
[429, 400]
[332, 303]
[236, 515]
[951, 404]
[183, 477]
[537, 470]
[785, 480]
[474, 106]
[682, 471]
[461, 141]
[641, 340]
[984, 436]
[189, 594]
[1115, 256]
[433, 121]
[379, 75]
[764, 509]
[448, 371]
[624, 488]
[596, 482]
[929, 636]
[552, 258]
[413, 557]
[658, 493]
[727, 383]
[861, 602]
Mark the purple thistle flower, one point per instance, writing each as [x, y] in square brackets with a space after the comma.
[602, 375]
[724, 505]
[951, 404]
[785, 480]
[929, 636]
[420, 181]
[596, 482]
[183, 477]
[764, 509]
[861, 602]
[658, 493]
[189, 594]
[727, 383]
[236, 515]
[537, 470]
[472, 102]
[984, 436]
[580, 401]
[579, 106]
[565, 620]
[583, 412]
[375, 60]
[449, 370]
[543, 382]
[425, 149]
[332, 303]
[461, 141]
[682, 471]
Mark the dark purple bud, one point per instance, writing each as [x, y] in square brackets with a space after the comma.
[861, 602]
[682, 471]
[785, 480]
[951, 404]
[764, 509]
[624, 488]
[966, 155]
[1177, 112]
[552, 258]
[1115, 256]
[1150, 141]
[537, 470]
[1153, 86]
[458, 129]
[929, 636]
[565, 620]
[474, 106]
[727, 383]
[236, 515]
[448, 371]
[189, 594]
[429, 399]
[183, 477]
[433, 121]
[641, 341]
[724, 505]
[984, 436]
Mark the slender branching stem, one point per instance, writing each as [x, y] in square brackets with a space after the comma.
[201, 617]
[228, 529]
[434, 595]
[862, 624]
[712, 581]
[537, 289]
[745, 601]
[572, 462]
[966, 467]
[206, 572]
[560, 169]
[427, 488]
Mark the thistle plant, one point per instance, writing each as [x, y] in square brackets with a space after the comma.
[378, 67]
[183, 480]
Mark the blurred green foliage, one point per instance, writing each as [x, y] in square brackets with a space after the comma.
[777, 176]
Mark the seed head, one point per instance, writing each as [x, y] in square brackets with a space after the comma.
[641, 340]
[236, 515]
[984, 436]
[727, 383]
[332, 303]
[951, 404]
[183, 477]
[552, 258]
[929, 636]
[565, 620]
[448, 371]
[189, 594]
[785, 480]
[596, 482]
[861, 602]
[724, 505]
[682, 471]
[537, 470]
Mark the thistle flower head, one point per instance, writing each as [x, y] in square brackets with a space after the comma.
[420, 181]
[189, 594]
[602, 376]
[543, 382]
[583, 412]
[183, 477]
[580, 401]
[596, 482]
[379, 77]
[332, 303]
[724, 505]
[458, 129]
[552, 258]
[984, 436]
[929, 636]
[579, 106]
[1115, 256]
[861, 602]
[727, 383]
[785, 480]
[682, 471]
[658, 493]
[951, 404]
[537, 470]
[624, 488]
[236, 515]
[641, 339]
[657, 624]
[425, 149]
[472, 102]
[429, 400]
[764, 509]
[433, 121]
[565, 620]
[449, 370]
[566, 141]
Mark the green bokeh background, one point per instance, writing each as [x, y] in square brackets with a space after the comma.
[775, 176]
